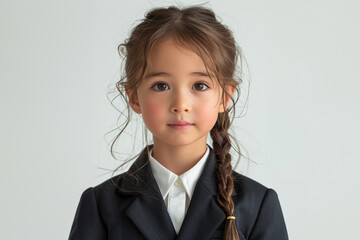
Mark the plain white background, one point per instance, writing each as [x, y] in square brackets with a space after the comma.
[58, 59]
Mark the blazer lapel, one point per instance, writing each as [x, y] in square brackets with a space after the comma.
[148, 211]
[204, 215]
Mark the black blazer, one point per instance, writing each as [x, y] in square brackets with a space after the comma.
[105, 212]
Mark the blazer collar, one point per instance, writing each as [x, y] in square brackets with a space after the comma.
[148, 210]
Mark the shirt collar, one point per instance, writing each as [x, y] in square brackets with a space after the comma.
[165, 178]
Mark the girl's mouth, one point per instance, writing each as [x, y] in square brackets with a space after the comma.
[180, 127]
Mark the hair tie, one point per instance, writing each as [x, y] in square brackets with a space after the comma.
[230, 218]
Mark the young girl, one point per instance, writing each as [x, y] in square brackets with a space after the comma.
[180, 76]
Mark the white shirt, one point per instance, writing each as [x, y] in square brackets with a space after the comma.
[177, 190]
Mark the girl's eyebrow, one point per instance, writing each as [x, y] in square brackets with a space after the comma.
[162, 74]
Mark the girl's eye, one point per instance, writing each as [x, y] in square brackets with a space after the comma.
[159, 87]
[200, 86]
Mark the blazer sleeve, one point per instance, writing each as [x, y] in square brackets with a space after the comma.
[88, 224]
[270, 223]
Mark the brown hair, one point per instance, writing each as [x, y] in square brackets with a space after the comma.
[197, 29]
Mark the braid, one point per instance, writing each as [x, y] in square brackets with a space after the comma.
[222, 145]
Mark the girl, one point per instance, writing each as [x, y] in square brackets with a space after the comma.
[180, 76]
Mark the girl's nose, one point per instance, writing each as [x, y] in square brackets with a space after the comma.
[180, 104]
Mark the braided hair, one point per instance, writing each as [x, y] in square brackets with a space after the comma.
[221, 146]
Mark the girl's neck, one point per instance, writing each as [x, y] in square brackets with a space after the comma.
[178, 159]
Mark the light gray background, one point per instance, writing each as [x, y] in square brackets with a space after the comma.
[58, 58]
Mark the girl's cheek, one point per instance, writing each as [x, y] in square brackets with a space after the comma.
[207, 114]
[151, 106]
[153, 113]
[154, 118]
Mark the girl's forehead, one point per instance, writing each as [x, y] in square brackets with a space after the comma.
[169, 44]
[169, 51]
[173, 56]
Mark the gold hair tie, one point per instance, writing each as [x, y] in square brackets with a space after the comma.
[230, 218]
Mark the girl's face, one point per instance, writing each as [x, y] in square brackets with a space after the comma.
[177, 88]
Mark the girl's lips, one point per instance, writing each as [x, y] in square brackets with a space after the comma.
[180, 122]
[180, 126]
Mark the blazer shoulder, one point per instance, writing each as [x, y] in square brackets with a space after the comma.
[260, 205]
[108, 188]
[245, 185]
[111, 182]
[250, 193]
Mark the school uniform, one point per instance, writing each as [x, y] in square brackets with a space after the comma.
[141, 212]
[175, 190]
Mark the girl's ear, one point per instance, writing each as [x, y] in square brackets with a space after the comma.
[230, 90]
[133, 101]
